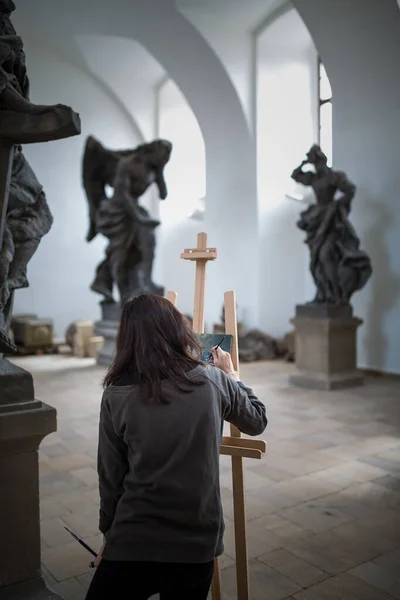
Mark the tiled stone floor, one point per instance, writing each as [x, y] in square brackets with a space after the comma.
[323, 507]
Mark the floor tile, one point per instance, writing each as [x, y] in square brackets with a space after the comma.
[83, 523]
[378, 577]
[323, 502]
[390, 561]
[67, 561]
[294, 568]
[331, 553]
[53, 532]
[264, 583]
[59, 483]
[88, 475]
[70, 589]
[342, 587]
[86, 579]
[390, 482]
[382, 463]
[317, 515]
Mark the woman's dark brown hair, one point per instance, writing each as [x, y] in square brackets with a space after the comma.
[155, 341]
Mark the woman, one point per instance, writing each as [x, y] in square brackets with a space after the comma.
[158, 462]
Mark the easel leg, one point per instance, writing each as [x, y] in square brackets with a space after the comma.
[239, 510]
[216, 593]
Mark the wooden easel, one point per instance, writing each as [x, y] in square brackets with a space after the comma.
[233, 445]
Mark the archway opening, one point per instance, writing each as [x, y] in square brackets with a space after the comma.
[290, 118]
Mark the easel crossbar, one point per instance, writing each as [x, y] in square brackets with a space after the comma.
[244, 443]
[210, 254]
[242, 447]
[240, 452]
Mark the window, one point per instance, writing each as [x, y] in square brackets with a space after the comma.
[325, 113]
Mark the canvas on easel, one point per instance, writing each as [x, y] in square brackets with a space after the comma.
[214, 340]
[234, 445]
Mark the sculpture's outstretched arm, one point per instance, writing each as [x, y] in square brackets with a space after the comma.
[22, 122]
[305, 178]
[11, 100]
[160, 182]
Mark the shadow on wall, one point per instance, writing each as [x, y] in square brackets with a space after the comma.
[385, 283]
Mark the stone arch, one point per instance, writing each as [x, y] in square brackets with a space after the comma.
[230, 152]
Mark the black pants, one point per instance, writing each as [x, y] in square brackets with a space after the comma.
[140, 580]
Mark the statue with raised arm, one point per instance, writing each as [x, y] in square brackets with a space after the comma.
[24, 214]
[338, 265]
[128, 226]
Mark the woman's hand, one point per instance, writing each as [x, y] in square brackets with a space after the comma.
[94, 564]
[223, 361]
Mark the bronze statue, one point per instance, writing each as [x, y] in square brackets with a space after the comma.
[127, 225]
[338, 265]
[24, 214]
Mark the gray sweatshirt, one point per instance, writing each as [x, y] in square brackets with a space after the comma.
[158, 467]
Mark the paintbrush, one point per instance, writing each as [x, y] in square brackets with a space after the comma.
[209, 359]
[216, 347]
[82, 543]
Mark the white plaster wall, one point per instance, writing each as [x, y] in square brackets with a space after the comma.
[287, 125]
[186, 180]
[359, 43]
[63, 267]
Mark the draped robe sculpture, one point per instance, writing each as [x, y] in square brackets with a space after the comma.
[338, 266]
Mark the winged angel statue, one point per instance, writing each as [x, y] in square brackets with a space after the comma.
[128, 226]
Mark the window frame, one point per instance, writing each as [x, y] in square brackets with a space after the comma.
[322, 101]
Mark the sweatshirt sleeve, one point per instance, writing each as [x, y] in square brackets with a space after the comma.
[112, 466]
[242, 408]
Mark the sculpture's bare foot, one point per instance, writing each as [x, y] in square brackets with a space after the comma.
[91, 233]
[316, 300]
[103, 291]
[6, 344]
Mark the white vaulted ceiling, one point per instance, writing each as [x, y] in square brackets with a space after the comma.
[128, 69]
[122, 66]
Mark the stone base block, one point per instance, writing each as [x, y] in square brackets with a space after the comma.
[108, 329]
[326, 348]
[316, 382]
[24, 422]
[29, 590]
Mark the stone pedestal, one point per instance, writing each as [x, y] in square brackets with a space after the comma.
[107, 327]
[24, 422]
[326, 347]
